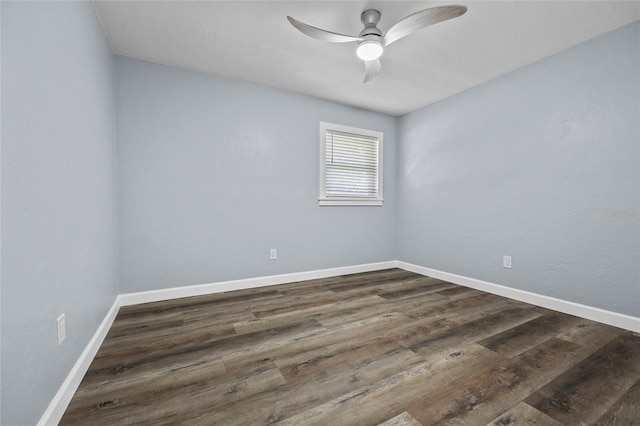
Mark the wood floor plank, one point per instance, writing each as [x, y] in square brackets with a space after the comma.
[381, 278]
[357, 331]
[475, 330]
[585, 392]
[459, 291]
[199, 343]
[625, 410]
[463, 309]
[152, 374]
[356, 282]
[527, 335]
[141, 324]
[217, 300]
[141, 336]
[375, 334]
[402, 419]
[363, 371]
[313, 389]
[379, 348]
[176, 401]
[377, 402]
[334, 358]
[319, 313]
[478, 396]
[390, 286]
[524, 415]
[590, 333]
[419, 289]
[338, 318]
[293, 303]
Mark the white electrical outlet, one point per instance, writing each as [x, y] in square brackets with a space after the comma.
[61, 327]
[273, 254]
[506, 262]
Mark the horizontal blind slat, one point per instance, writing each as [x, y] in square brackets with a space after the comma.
[351, 165]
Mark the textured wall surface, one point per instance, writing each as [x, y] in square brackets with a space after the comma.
[58, 196]
[542, 164]
[214, 172]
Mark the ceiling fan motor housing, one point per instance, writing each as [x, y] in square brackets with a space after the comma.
[370, 19]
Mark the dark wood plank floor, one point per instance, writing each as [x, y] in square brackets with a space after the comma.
[380, 348]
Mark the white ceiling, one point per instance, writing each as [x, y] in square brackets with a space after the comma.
[252, 40]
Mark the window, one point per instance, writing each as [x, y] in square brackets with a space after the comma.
[350, 166]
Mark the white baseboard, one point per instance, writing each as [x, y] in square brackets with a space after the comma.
[61, 400]
[583, 311]
[202, 289]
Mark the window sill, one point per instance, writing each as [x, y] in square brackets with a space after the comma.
[349, 202]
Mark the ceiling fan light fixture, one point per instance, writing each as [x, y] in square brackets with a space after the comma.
[369, 50]
[372, 41]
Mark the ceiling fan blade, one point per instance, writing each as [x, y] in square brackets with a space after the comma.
[321, 34]
[371, 69]
[419, 20]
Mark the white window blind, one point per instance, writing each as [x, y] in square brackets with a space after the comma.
[351, 166]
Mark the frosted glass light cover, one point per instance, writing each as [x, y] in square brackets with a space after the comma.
[369, 50]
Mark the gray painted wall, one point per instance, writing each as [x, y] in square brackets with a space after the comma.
[542, 164]
[213, 172]
[58, 196]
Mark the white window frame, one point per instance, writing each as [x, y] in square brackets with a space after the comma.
[332, 200]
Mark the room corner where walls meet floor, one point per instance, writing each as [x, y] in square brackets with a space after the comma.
[59, 404]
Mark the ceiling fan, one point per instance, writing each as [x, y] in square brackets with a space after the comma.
[371, 41]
